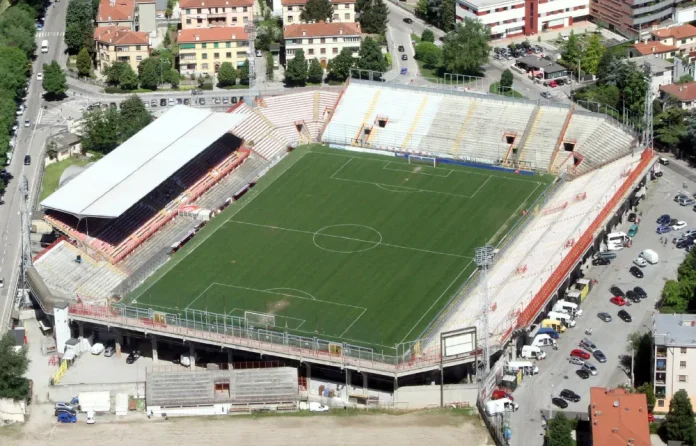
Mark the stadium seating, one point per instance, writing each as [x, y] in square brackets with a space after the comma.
[542, 136]
[256, 131]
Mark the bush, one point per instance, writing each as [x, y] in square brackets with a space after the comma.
[428, 53]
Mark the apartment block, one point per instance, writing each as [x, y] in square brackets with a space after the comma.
[629, 17]
[321, 40]
[137, 15]
[120, 44]
[202, 51]
[675, 357]
[197, 14]
[683, 37]
[344, 11]
[685, 95]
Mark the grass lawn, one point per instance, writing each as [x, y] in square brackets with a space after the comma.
[356, 248]
[511, 93]
[53, 172]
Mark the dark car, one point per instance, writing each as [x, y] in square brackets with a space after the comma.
[632, 217]
[64, 410]
[582, 373]
[606, 317]
[600, 261]
[163, 102]
[683, 243]
[135, 354]
[623, 314]
[673, 222]
[401, 48]
[27, 160]
[113, 105]
[640, 292]
[408, 20]
[569, 395]
[187, 101]
[153, 103]
[632, 296]
[201, 101]
[616, 291]
[636, 272]
[599, 356]
[605, 255]
[560, 402]
[663, 220]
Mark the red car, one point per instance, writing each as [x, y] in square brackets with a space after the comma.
[580, 353]
[498, 394]
[618, 300]
[651, 417]
[553, 84]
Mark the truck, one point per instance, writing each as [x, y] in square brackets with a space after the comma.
[650, 256]
[532, 352]
[94, 401]
[563, 317]
[44, 46]
[499, 406]
[543, 340]
[556, 325]
[549, 331]
[563, 306]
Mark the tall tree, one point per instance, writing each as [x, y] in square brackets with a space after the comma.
[14, 365]
[466, 48]
[373, 18]
[370, 56]
[17, 28]
[133, 117]
[506, 80]
[269, 66]
[268, 32]
[448, 15]
[559, 431]
[244, 73]
[679, 421]
[14, 70]
[149, 73]
[296, 72]
[83, 63]
[571, 50]
[427, 36]
[670, 127]
[78, 25]
[128, 79]
[339, 67]
[593, 54]
[114, 72]
[172, 77]
[316, 10]
[100, 130]
[315, 73]
[604, 65]
[227, 75]
[54, 82]
[649, 391]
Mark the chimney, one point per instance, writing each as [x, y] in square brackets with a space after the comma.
[615, 429]
[616, 403]
[197, 37]
[234, 37]
[304, 33]
[112, 3]
[340, 31]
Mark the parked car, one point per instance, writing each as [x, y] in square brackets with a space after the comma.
[70, 406]
[685, 243]
[97, 349]
[640, 292]
[606, 317]
[599, 356]
[632, 296]
[67, 418]
[560, 402]
[499, 393]
[616, 291]
[679, 225]
[663, 229]
[225, 100]
[588, 345]
[179, 101]
[582, 373]
[579, 353]
[680, 196]
[663, 219]
[569, 395]
[687, 201]
[605, 255]
[90, 417]
[134, 355]
[637, 273]
[600, 262]
[664, 161]
[187, 101]
[163, 102]
[109, 351]
[153, 102]
[576, 361]
[590, 368]
[658, 174]
[639, 261]
[632, 217]
[623, 314]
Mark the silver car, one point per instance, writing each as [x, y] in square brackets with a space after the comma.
[590, 368]
[575, 360]
[588, 345]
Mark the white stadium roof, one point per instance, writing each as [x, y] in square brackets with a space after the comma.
[123, 177]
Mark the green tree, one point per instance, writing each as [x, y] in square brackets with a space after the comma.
[506, 80]
[268, 32]
[83, 63]
[670, 127]
[128, 79]
[269, 66]
[172, 77]
[114, 72]
[373, 18]
[370, 56]
[427, 36]
[317, 10]
[559, 431]
[14, 365]
[167, 40]
[649, 391]
[296, 72]
[679, 421]
[149, 73]
[593, 54]
[17, 28]
[422, 9]
[227, 75]
[640, 345]
[54, 82]
[429, 53]
[684, 79]
[447, 16]
[244, 73]
[133, 117]
[78, 25]
[466, 48]
[100, 130]
[315, 73]
[74, 37]
[571, 51]
[14, 69]
[339, 67]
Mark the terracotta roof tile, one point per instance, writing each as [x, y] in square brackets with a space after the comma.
[321, 29]
[184, 4]
[304, 2]
[684, 92]
[646, 48]
[677, 32]
[120, 35]
[217, 34]
[617, 416]
[115, 10]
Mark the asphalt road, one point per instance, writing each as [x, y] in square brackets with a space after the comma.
[556, 373]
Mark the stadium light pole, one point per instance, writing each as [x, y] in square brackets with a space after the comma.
[484, 259]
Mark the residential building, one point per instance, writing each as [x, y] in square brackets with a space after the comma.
[675, 341]
[137, 15]
[508, 18]
[686, 12]
[120, 44]
[682, 37]
[202, 51]
[321, 40]
[197, 14]
[630, 17]
[660, 68]
[686, 96]
[651, 48]
[146, 16]
[344, 11]
[618, 417]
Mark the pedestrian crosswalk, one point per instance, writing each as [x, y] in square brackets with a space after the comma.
[50, 34]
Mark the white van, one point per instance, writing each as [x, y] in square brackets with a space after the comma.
[650, 256]
[499, 406]
[563, 306]
[563, 317]
[527, 366]
[532, 352]
[44, 46]
[543, 340]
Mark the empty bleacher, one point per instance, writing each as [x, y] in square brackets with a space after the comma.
[543, 135]
[256, 132]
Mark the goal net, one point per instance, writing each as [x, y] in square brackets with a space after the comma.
[259, 319]
[417, 159]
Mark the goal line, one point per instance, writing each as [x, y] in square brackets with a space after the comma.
[418, 159]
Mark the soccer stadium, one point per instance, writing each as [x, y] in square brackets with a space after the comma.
[340, 226]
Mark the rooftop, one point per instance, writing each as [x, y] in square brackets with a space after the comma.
[479, 5]
[647, 48]
[321, 29]
[539, 63]
[675, 330]
[304, 2]
[657, 64]
[617, 417]
[675, 32]
[184, 4]
[217, 34]
[120, 35]
[115, 10]
[123, 177]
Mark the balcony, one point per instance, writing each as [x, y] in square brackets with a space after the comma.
[661, 365]
[660, 378]
[217, 15]
[661, 15]
[653, 7]
[660, 392]
[661, 352]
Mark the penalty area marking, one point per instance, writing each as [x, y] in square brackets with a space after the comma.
[306, 294]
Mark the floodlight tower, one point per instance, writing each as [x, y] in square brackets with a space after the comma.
[648, 115]
[250, 29]
[484, 259]
[25, 212]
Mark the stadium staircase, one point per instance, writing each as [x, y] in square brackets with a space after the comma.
[368, 116]
[462, 130]
[561, 136]
[409, 135]
[531, 127]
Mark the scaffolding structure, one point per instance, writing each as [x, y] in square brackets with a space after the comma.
[484, 260]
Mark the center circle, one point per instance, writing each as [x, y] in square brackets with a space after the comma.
[347, 238]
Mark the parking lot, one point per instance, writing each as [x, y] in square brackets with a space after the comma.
[556, 372]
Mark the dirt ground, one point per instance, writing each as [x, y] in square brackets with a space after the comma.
[427, 428]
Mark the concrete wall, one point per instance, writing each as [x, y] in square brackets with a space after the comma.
[65, 392]
[12, 411]
[415, 397]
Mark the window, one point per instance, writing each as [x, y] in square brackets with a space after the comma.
[335, 16]
[205, 56]
[138, 58]
[322, 51]
[290, 19]
[137, 47]
[335, 39]
[290, 52]
[660, 403]
[335, 51]
[188, 21]
[347, 16]
[246, 19]
[683, 350]
[311, 51]
[310, 41]
[683, 378]
[228, 55]
[682, 364]
[204, 66]
[204, 45]
[228, 44]
[215, 45]
[216, 55]
[188, 11]
[245, 9]
[234, 19]
[198, 11]
[323, 40]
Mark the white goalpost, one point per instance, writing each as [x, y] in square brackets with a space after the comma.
[418, 159]
[254, 319]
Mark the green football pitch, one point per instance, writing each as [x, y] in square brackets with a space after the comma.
[348, 247]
